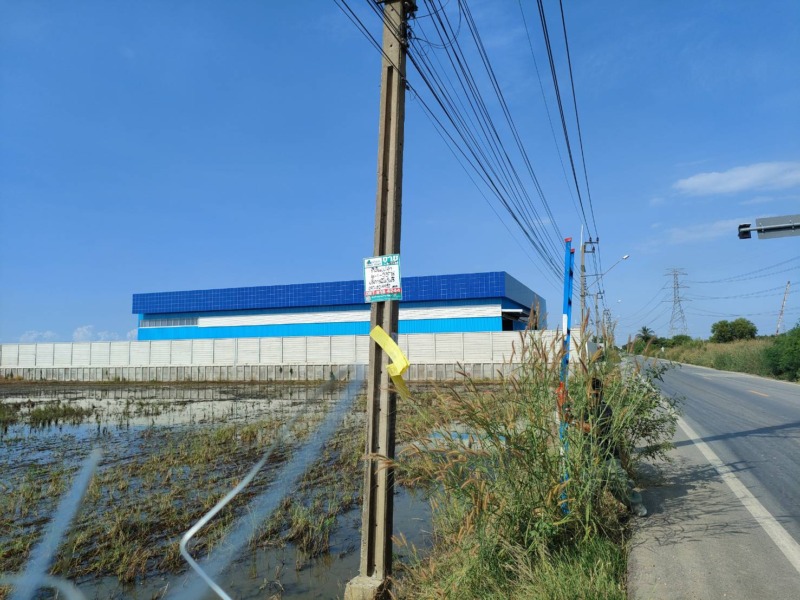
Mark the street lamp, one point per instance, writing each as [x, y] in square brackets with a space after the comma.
[599, 277]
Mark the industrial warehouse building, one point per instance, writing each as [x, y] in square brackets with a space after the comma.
[472, 302]
[449, 324]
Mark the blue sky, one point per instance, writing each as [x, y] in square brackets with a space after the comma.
[152, 146]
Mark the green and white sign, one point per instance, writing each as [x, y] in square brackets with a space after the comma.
[382, 278]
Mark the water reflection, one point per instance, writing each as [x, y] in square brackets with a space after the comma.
[131, 423]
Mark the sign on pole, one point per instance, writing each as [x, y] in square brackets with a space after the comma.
[771, 227]
[775, 227]
[382, 278]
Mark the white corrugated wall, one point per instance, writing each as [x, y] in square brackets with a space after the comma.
[271, 351]
[27, 355]
[477, 347]
[81, 354]
[224, 352]
[44, 355]
[160, 352]
[99, 354]
[120, 354]
[318, 350]
[294, 350]
[449, 347]
[427, 348]
[140, 354]
[181, 352]
[343, 349]
[248, 351]
[62, 355]
[202, 352]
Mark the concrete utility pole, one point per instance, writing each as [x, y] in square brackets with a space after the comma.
[584, 252]
[783, 308]
[378, 505]
[584, 320]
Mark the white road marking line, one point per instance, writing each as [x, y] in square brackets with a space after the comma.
[782, 539]
[759, 393]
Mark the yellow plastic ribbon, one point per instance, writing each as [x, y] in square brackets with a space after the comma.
[399, 362]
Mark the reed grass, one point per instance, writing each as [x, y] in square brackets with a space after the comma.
[523, 508]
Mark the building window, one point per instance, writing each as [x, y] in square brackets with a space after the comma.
[182, 322]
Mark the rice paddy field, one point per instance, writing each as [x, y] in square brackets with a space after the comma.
[169, 454]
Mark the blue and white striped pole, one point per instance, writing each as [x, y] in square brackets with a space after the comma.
[566, 324]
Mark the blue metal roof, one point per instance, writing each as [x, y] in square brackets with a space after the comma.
[496, 284]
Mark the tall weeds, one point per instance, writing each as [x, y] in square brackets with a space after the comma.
[741, 356]
[513, 496]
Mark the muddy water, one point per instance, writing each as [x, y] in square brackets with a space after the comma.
[286, 573]
[122, 422]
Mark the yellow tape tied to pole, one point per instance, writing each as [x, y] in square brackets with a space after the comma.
[399, 362]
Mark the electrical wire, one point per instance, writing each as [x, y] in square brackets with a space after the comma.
[747, 276]
[455, 103]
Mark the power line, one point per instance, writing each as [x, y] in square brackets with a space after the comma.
[457, 107]
[547, 109]
[759, 294]
[577, 117]
[747, 276]
[554, 75]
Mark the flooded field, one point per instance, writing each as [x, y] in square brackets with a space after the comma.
[169, 454]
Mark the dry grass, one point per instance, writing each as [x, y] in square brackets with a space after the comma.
[742, 356]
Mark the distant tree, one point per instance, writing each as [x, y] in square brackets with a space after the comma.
[743, 329]
[680, 340]
[721, 332]
[726, 331]
[645, 334]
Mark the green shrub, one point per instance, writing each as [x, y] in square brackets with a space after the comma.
[783, 357]
[729, 331]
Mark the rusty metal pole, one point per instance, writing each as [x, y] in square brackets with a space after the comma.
[378, 505]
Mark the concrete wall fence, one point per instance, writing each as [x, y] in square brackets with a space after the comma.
[433, 357]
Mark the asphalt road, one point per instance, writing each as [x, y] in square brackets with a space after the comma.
[725, 514]
[753, 425]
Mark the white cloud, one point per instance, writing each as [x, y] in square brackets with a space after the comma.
[656, 201]
[760, 176]
[703, 232]
[133, 334]
[34, 336]
[85, 333]
[757, 200]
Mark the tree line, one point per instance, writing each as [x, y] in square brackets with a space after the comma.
[780, 353]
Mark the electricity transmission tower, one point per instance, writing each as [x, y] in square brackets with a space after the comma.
[677, 323]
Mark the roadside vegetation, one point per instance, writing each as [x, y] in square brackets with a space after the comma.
[521, 511]
[732, 346]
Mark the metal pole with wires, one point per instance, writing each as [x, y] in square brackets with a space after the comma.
[566, 321]
[562, 408]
